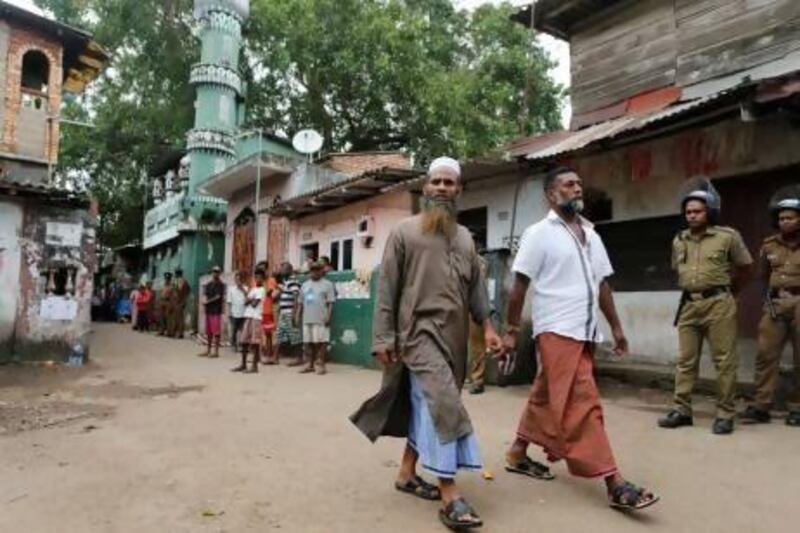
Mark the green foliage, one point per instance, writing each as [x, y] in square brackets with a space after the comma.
[370, 74]
[413, 74]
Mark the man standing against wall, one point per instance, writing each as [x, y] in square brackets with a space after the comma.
[566, 261]
[180, 295]
[316, 305]
[713, 264]
[430, 283]
[780, 269]
[214, 301]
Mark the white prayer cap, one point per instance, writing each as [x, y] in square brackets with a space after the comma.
[444, 163]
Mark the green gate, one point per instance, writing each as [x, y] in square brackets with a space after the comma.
[351, 322]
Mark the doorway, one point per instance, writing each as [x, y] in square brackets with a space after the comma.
[476, 221]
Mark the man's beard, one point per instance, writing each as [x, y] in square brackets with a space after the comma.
[438, 216]
[570, 208]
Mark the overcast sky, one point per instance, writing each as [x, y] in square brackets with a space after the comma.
[559, 50]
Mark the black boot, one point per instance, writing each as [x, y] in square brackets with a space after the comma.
[754, 415]
[722, 426]
[675, 419]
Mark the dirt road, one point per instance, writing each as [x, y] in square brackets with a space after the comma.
[151, 438]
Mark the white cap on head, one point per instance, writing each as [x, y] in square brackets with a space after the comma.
[444, 163]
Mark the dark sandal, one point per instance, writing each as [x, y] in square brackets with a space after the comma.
[629, 496]
[453, 516]
[793, 419]
[420, 488]
[529, 467]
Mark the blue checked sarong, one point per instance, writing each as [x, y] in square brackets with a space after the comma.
[441, 460]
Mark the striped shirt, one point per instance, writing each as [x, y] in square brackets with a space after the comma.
[289, 289]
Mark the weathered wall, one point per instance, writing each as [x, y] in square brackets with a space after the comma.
[36, 334]
[4, 35]
[32, 131]
[10, 263]
[643, 179]
[497, 195]
[623, 54]
[720, 37]
[21, 41]
[650, 44]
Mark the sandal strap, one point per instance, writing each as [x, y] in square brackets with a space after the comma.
[430, 487]
[458, 508]
[529, 465]
[623, 493]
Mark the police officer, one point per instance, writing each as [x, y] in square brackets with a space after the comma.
[780, 267]
[712, 263]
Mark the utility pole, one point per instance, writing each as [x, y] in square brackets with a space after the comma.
[528, 90]
[258, 193]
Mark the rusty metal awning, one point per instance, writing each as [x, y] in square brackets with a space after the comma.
[551, 145]
[367, 185]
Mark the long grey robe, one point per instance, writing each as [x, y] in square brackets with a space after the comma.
[428, 286]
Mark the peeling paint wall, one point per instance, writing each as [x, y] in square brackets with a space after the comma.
[46, 239]
[10, 229]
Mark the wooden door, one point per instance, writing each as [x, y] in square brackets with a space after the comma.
[244, 242]
[278, 240]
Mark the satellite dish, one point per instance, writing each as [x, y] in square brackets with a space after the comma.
[307, 141]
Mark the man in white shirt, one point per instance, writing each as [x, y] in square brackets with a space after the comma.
[565, 261]
[236, 297]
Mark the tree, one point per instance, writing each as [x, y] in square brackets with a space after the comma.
[412, 74]
[416, 75]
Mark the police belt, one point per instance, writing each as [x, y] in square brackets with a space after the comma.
[693, 296]
[776, 293]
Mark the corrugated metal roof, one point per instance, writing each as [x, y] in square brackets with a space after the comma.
[552, 145]
[340, 193]
[10, 186]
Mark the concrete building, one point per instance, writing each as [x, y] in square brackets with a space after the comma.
[662, 91]
[47, 235]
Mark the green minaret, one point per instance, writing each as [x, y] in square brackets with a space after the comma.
[211, 143]
[185, 229]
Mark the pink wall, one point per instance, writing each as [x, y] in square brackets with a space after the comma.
[387, 211]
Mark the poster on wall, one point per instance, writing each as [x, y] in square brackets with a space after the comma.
[63, 234]
[58, 308]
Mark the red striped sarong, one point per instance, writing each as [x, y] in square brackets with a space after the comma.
[563, 414]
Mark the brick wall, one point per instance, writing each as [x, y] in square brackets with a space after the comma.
[359, 162]
[21, 41]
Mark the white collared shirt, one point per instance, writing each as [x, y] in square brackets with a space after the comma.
[565, 275]
[236, 298]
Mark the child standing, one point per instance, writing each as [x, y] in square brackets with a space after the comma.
[252, 335]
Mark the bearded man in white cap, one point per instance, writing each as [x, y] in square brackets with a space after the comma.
[430, 283]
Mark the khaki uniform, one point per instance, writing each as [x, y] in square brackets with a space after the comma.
[477, 344]
[164, 297]
[705, 265]
[782, 262]
[176, 321]
[477, 353]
